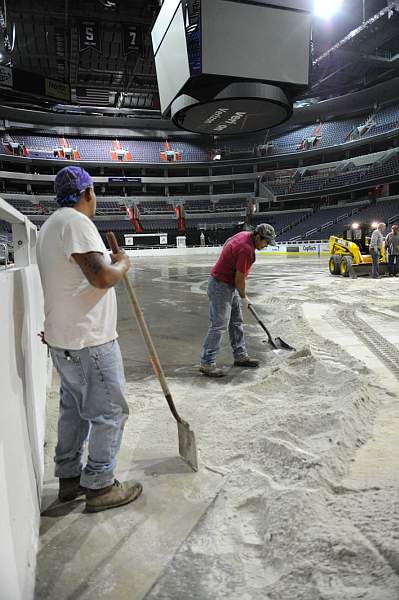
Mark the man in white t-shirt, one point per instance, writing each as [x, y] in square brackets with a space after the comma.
[78, 277]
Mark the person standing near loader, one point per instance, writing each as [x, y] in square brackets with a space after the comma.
[78, 279]
[392, 246]
[227, 284]
[376, 241]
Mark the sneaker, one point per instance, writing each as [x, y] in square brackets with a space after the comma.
[211, 370]
[69, 488]
[252, 363]
[112, 496]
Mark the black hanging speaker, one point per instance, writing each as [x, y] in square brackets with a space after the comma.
[226, 67]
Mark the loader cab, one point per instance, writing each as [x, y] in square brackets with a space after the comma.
[360, 234]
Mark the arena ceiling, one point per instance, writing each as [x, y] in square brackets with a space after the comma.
[358, 48]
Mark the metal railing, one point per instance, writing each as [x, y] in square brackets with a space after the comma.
[24, 235]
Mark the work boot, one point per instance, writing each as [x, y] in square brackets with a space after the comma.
[246, 361]
[211, 370]
[69, 488]
[112, 496]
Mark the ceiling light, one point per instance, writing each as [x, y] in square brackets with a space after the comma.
[326, 8]
[355, 225]
[374, 225]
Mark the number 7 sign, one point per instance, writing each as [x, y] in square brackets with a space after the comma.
[133, 39]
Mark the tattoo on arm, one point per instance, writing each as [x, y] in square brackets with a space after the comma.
[91, 263]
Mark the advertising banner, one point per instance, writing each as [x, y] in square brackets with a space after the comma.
[57, 89]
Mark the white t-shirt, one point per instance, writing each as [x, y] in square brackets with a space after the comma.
[77, 315]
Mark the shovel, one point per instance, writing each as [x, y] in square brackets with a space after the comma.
[277, 343]
[187, 445]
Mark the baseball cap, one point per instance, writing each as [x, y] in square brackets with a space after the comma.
[267, 233]
[70, 183]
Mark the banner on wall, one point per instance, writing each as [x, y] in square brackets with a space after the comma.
[116, 180]
[57, 89]
[132, 38]
[89, 36]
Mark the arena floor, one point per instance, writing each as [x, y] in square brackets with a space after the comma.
[297, 493]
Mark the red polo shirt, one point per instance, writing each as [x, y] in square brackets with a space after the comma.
[238, 254]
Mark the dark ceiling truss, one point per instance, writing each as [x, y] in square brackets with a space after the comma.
[364, 57]
[48, 43]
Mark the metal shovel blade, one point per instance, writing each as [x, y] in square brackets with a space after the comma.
[282, 345]
[187, 445]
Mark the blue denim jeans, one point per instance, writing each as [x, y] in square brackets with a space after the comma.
[225, 313]
[375, 257]
[93, 408]
[393, 264]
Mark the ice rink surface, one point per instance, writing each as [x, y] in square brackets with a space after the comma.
[297, 493]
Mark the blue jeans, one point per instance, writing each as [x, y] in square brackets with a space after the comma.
[224, 312]
[393, 266]
[93, 408]
[375, 257]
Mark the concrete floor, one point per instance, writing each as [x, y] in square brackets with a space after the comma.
[120, 554]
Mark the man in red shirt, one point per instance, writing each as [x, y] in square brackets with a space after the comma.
[225, 288]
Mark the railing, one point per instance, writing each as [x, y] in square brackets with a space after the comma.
[24, 234]
[327, 224]
[342, 217]
[310, 231]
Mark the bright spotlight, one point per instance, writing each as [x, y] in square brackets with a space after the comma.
[326, 8]
[355, 225]
[374, 225]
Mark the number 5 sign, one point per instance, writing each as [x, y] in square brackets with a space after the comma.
[132, 39]
[89, 36]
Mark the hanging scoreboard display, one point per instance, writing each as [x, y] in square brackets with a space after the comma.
[218, 77]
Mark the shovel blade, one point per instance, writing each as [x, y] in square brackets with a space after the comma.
[187, 445]
[282, 345]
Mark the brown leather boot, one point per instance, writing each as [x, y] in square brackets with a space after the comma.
[211, 370]
[252, 363]
[112, 496]
[69, 488]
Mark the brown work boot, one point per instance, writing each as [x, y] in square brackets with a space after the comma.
[246, 361]
[211, 370]
[112, 496]
[69, 488]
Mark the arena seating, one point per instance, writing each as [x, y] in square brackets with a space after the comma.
[159, 225]
[117, 225]
[281, 220]
[382, 210]
[5, 228]
[321, 181]
[225, 204]
[329, 133]
[198, 205]
[155, 207]
[312, 227]
[194, 220]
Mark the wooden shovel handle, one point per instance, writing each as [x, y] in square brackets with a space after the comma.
[155, 362]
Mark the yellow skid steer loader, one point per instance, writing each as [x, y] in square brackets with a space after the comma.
[349, 254]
